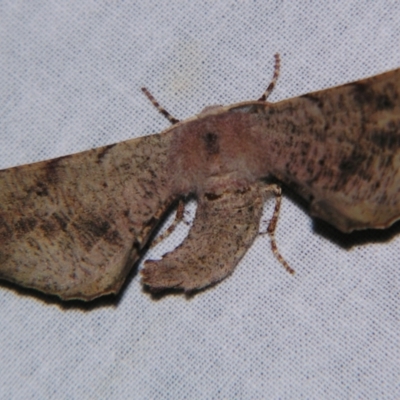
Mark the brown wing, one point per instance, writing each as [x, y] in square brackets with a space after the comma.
[224, 228]
[363, 128]
[340, 149]
[73, 226]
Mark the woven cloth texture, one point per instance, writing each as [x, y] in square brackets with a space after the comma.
[70, 79]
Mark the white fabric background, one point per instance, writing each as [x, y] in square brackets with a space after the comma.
[70, 78]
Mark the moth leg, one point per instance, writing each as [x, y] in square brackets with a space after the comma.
[277, 191]
[161, 110]
[178, 218]
[275, 77]
[224, 228]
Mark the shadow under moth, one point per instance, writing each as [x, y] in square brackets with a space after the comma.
[74, 226]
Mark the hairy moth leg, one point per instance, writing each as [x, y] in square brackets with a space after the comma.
[178, 218]
[277, 191]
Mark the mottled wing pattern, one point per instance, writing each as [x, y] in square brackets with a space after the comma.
[74, 226]
[340, 149]
[224, 228]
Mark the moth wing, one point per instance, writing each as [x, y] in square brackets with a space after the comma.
[224, 228]
[74, 226]
[344, 146]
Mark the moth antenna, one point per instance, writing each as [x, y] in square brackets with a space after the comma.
[272, 84]
[160, 109]
[178, 218]
[277, 191]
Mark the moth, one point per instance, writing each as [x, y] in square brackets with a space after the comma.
[74, 226]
